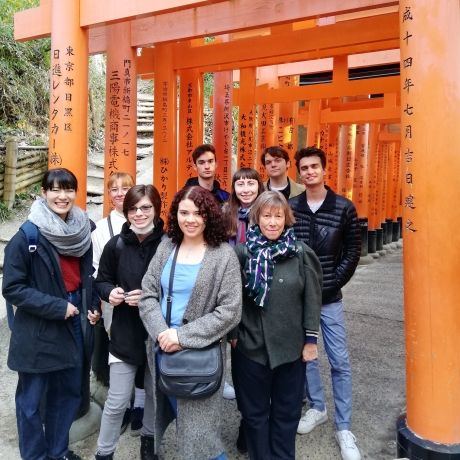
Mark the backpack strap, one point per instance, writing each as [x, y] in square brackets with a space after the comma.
[109, 223]
[31, 232]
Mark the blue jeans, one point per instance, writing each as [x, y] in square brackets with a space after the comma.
[47, 435]
[335, 344]
[62, 390]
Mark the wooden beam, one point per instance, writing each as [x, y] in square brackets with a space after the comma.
[379, 115]
[33, 23]
[102, 12]
[210, 18]
[236, 15]
[266, 95]
[348, 37]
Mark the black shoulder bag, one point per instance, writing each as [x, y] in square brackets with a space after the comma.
[192, 373]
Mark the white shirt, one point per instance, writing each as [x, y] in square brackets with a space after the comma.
[101, 235]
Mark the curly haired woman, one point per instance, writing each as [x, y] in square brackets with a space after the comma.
[206, 305]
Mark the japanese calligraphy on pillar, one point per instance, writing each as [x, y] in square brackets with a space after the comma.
[119, 115]
[246, 139]
[164, 160]
[331, 155]
[225, 177]
[360, 166]
[63, 69]
[287, 120]
[350, 161]
[189, 131]
[265, 133]
[408, 82]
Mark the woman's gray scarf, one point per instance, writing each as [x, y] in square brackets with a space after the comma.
[70, 237]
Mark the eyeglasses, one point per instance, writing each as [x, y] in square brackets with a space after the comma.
[145, 209]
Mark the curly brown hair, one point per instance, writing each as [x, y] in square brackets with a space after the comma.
[209, 209]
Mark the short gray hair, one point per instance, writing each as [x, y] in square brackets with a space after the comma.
[271, 199]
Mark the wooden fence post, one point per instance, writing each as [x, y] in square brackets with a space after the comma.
[9, 180]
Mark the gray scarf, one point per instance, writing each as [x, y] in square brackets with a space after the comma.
[70, 237]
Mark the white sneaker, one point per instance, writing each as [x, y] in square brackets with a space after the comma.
[347, 443]
[311, 420]
[229, 391]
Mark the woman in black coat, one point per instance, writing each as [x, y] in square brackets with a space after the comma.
[50, 284]
[123, 263]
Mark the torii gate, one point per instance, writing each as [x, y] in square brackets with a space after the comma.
[429, 165]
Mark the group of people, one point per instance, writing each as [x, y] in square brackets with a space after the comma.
[260, 268]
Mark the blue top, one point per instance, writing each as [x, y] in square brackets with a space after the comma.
[184, 282]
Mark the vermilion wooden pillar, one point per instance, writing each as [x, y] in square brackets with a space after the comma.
[68, 130]
[222, 126]
[288, 124]
[346, 158]
[120, 105]
[430, 120]
[190, 121]
[372, 186]
[332, 152]
[360, 183]
[267, 118]
[383, 182]
[165, 145]
[246, 119]
[391, 184]
[313, 126]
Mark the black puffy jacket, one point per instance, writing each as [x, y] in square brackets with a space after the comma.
[333, 233]
[41, 339]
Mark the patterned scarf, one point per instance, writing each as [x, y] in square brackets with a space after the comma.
[243, 217]
[263, 253]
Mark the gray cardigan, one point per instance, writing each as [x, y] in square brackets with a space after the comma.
[213, 310]
[275, 334]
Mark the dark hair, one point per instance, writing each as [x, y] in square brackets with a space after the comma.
[232, 205]
[275, 151]
[203, 148]
[136, 193]
[59, 177]
[310, 152]
[209, 209]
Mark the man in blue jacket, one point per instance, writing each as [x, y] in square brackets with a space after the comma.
[328, 223]
[50, 283]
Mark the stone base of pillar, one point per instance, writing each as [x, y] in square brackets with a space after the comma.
[379, 239]
[395, 231]
[87, 425]
[366, 260]
[414, 448]
[364, 239]
[372, 241]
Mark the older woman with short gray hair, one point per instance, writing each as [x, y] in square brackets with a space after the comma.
[278, 330]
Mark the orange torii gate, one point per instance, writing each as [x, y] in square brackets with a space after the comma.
[77, 28]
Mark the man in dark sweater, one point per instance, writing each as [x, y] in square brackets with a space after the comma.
[204, 163]
[328, 223]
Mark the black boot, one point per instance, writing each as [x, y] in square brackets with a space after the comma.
[104, 457]
[148, 448]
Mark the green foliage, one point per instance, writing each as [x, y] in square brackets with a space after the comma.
[5, 213]
[24, 81]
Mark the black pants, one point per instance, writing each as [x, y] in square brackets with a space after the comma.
[270, 401]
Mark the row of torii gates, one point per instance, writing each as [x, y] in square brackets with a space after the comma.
[392, 140]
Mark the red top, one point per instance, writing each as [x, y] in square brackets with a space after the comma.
[70, 267]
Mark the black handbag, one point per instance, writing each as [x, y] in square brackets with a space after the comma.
[192, 373]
